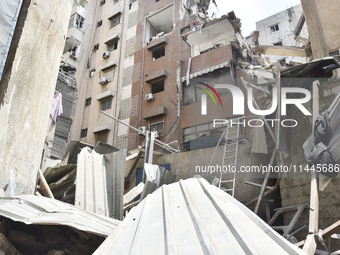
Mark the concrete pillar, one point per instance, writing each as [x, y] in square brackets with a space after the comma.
[29, 80]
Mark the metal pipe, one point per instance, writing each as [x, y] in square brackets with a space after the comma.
[158, 142]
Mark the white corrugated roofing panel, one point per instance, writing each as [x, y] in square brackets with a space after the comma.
[31, 209]
[194, 217]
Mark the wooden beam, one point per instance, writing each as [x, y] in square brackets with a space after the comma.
[310, 245]
[44, 185]
[264, 183]
[257, 185]
[333, 229]
[127, 178]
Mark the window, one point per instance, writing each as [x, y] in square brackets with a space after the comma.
[92, 72]
[158, 126]
[102, 136]
[76, 21]
[105, 104]
[278, 44]
[83, 133]
[88, 101]
[109, 73]
[115, 20]
[274, 28]
[159, 24]
[99, 23]
[102, 2]
[157, 86]
[112, 45]
[115, 1]
[79, 22]
[157, 1]
[202, 136]
[96, 47]
[192, 95]
[158, 53]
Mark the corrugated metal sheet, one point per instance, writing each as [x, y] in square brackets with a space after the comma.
[31, 209]
[100, 182]
[9, 12]
[193, 217]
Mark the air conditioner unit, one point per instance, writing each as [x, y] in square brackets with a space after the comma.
[143, 129]
[106, 54]
[103, 81]
[149, 97]
[156, 133]
[73, 55]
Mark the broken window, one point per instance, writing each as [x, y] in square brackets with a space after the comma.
[102, 2]
[115, 20]
[158, 53]
[274, 28]
[112, 45]
[158, 126]
[105, 104]
[192, 94]
[159, 24]
[157, 86]
[115, 1]
[157, 1]
[77, 21]
[202, 136]
[83, 133]
[156, 123]
[88, 101]
[99, 23]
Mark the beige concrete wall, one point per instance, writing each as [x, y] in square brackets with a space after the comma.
[328, 11]
[185, 164]
[297, 190]
[30, 83]
[89, 117]
[322, 18]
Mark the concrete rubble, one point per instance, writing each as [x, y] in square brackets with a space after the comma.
[88, 203]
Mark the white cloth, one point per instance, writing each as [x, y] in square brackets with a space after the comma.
[57, 105]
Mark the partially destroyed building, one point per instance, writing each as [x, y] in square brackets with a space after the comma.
[181, 94]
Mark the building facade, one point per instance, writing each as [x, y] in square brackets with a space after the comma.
[279, 30]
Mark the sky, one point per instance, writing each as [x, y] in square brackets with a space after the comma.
[251, 11]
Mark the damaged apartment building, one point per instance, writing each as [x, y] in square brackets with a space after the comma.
[150, 78]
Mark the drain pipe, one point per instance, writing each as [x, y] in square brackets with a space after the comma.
[141, 93]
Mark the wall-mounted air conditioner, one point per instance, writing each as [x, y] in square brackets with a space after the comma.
[156, 133]
[149, 97]
[143, 129]
[103, 81]
[106, 54]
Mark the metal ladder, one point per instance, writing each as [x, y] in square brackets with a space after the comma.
[229, 160]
